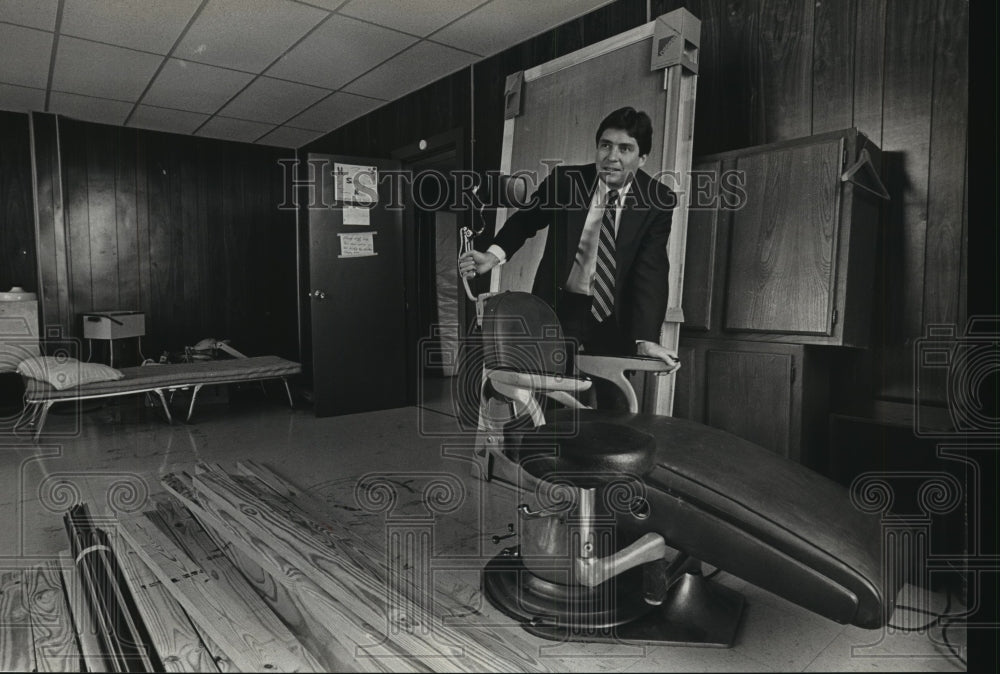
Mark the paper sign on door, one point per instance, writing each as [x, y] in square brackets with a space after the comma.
[355, 184]
[357, 245]
[357, 215]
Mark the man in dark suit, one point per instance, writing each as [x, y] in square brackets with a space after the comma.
[605, 268]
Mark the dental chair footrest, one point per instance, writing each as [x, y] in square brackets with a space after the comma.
[696, 611]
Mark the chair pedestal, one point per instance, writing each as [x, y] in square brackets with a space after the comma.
[695, 612]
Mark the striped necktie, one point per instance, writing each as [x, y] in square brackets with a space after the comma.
[604, 276]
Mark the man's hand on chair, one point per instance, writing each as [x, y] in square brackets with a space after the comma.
[654, 350]
[475, 263]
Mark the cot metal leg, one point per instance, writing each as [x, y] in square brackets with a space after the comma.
[41, 419]
[194, 396]
[289, 392]
[26, 415]
[166, 408]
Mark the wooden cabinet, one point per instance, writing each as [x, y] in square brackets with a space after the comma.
[779, 248]
[773, 394]
[779, 265]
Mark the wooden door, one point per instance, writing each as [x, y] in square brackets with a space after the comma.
[783, 243]
[356, 294]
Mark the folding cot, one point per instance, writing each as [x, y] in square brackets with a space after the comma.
[40, 396]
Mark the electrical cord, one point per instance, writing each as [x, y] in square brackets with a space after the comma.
[938, 618]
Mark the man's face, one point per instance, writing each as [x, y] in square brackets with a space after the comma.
[618, 157]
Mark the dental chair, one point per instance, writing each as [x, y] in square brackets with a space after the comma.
[618, 510]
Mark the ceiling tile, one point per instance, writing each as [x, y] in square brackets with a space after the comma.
[94, 69]
[24, 56]
[234, 129]
[88, 108]
[162, 119]
[423, 64]
[270, 100]
[186, 85]
[334, 111]
[339, 50]
[21, 99]
[247, 35]
[34, 13]
[421, 17]
[498, 25]
[286, 136]
[147, 25]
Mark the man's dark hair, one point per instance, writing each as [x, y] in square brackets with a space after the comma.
[633, 122]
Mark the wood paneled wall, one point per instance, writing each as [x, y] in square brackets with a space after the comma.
[186, 229]
[772, 70]
[17, 211]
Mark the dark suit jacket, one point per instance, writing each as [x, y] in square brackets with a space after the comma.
[561, 203]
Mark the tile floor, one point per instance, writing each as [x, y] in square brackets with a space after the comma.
[112, 456]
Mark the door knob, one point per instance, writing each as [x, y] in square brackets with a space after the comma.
[318, 294]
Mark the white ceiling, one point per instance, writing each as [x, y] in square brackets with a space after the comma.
[276, 72]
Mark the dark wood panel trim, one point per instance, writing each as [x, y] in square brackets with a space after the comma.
[947, 162]
[833, 65]
[784, 51]
[869, 68]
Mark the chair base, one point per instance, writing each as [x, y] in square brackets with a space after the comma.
[696, 611]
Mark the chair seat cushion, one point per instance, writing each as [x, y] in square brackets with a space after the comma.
[586, 453]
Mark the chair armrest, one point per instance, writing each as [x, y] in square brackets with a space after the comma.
[613, 368]
[537, 382]
[599, 365]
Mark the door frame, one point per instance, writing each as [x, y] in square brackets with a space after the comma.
[413, 156]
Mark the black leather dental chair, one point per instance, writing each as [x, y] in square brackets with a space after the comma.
[618, 510]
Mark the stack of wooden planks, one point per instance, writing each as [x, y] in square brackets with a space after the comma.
[352, 608]
[240, 571]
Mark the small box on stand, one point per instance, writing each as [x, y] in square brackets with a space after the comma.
[112, 325]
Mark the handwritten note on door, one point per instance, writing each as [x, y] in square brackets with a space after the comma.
[361, 244]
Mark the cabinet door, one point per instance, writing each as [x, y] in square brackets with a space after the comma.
[783, 241]
[749, 394]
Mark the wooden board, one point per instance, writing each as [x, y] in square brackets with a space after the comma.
[17, 653]
[299, 505]
[84, 627]
[354, 579]
[348, 634]
[56, 648]
[248, 633]
[190, 537]
[197, 539]
[175, 639]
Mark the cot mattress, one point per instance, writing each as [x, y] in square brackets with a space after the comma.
[152, 377]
